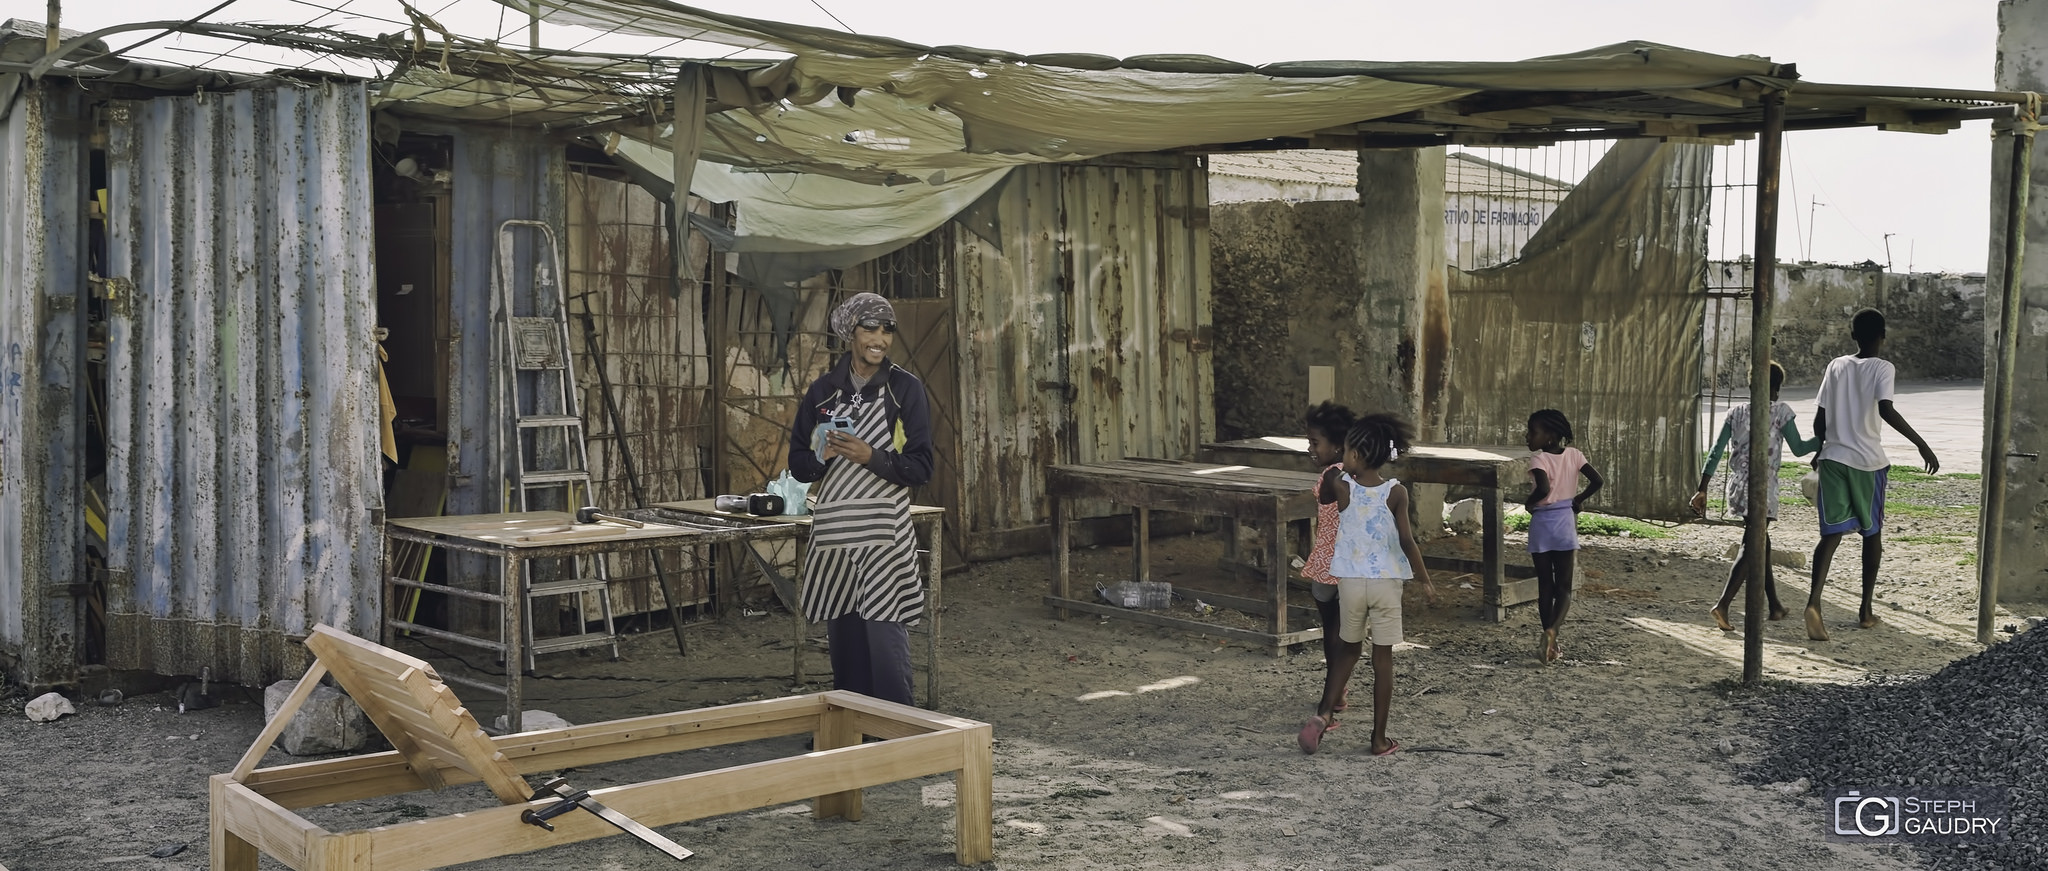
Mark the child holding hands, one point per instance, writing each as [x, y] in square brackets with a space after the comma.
[1375, 556]
[1328, 424]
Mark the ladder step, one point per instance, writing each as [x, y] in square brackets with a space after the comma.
[564, 588]
[535, 477]
[540, 420]
[572, 642]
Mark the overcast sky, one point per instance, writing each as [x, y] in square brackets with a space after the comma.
[1844, 190]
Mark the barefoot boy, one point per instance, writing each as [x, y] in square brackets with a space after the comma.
[1855, 393]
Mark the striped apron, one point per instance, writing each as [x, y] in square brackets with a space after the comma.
[863, 554]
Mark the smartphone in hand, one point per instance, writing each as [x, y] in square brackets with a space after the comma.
[823, 431]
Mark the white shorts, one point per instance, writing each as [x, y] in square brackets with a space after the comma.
[1369, 609]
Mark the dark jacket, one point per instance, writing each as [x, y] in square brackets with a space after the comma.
[904, 402]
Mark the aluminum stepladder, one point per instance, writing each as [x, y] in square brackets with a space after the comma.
[546, 462]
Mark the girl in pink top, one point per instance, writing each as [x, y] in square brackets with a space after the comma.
[1327, 425]
[1555, 467]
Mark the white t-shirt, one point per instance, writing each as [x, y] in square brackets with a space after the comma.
[1850, 390]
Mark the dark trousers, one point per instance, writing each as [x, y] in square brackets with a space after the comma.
[870, 657]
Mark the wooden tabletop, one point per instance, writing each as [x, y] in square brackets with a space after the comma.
[537, 529]
[1207, 476]
[1468, 453]
[709, 508]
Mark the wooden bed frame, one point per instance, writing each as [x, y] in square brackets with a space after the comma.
[437, 743]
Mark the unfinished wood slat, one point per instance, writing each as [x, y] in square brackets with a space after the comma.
[249, 820]
[497, 831]
[264, 825]
[278, 722]
[837, 729]
[326, 781]
[465, 746]
[345, 672]
[973, 791]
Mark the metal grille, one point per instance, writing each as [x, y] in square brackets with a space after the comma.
[629, 315]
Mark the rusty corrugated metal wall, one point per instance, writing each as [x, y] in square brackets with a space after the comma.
[1084, 336]
[243, 493]
[647, 331]
[1600, 319]
[43, 154]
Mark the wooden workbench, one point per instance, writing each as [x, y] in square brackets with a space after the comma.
[514, 539]
[1265, 498]
[928, 520]
[1492, 468]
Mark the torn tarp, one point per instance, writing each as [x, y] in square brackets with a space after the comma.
[792, 226]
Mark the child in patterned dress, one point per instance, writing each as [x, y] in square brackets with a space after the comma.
[1375, 556]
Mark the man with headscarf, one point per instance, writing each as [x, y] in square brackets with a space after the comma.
[860, 573]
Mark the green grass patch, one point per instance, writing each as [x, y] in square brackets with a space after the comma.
[1599, 524]
[1969, 559]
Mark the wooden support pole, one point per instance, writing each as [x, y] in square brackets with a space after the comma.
[52, 39]
[1991, 526]
[1756, 525]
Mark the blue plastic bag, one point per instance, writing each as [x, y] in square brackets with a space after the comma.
[792, 492]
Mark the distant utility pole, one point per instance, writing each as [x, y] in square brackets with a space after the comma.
[1811, 230]
[1888, 251]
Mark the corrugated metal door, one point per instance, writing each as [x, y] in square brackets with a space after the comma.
[43, 160]
[243, 475]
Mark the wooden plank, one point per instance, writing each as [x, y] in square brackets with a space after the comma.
[225, 850]
[497, 831]
[416, 712]
[308, 784]
[973, 798]
[837, 729]
[930, 720]
[264, 825]
[280, 721]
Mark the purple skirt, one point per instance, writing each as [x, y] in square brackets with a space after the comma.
[1553, 527]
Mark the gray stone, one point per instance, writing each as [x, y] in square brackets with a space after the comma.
[329, 721]
[534, 721]
[1468, 517]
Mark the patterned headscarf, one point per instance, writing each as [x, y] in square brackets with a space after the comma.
[860, 307]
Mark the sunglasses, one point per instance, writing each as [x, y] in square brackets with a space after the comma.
[871, 325]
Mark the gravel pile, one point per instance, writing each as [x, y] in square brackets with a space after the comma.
[1982, 721]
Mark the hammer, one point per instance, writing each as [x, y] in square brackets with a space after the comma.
[590, 514]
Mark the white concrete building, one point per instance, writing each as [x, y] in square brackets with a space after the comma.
[1490, 210]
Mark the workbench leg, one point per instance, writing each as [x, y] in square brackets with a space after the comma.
[1141, 544]
[972, 793]
[514, 627]
[1490, 556]
[803, 628]
[935, 570]
[225, 850]
[1061, 538]
[1276, 579]
[836, 730]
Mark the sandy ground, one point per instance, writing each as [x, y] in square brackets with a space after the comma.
[1120, 746]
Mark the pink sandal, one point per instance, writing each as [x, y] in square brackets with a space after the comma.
[1311, 736]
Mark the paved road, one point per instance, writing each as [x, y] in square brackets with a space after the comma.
[1948, 414]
